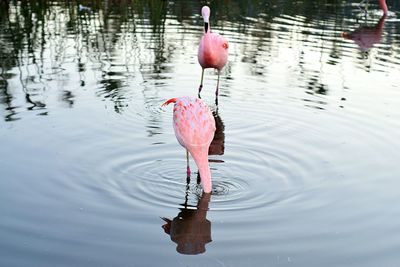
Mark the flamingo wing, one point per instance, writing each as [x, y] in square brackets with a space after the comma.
[193, 122]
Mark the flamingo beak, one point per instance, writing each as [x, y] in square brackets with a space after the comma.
[206, 26]
[169, 101]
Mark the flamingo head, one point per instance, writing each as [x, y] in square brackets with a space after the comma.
[205, 13]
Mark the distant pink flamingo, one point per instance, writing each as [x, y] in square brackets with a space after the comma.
[366, 37]
[213, 49]
[194, 127]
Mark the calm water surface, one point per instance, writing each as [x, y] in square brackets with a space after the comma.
[305, 160]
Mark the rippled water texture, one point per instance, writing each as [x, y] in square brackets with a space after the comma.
[305, 159]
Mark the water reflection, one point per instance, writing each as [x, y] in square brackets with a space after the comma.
[110, 40]
[217, 146]
[366, 36]
[190, 229]
[114, 47]
[99, 72]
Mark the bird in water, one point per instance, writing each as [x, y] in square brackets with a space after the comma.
[194, 127]
[213, 50]
[367, 36]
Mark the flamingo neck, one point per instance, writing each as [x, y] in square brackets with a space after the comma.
[205, 13]
[207, 27]
[207, 42]
[201, 159]
[205, 178]
[382, 4]
[381, 24]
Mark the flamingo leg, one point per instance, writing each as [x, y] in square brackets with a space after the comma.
[217, 90]
[363, 5]
[201, 81]
[187, 165]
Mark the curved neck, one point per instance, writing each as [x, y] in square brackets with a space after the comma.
[382, 4]
[381, 24]
[201, 159]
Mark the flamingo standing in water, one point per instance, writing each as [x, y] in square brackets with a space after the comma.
[213, 49]
[194, 127]
[366, 37]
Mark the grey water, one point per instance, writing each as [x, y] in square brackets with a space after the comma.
[305, 159]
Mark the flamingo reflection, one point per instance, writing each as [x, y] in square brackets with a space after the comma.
[366, 36]
[217, 146]
[190, 229]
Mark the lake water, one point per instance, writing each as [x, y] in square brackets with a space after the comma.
[305, 161]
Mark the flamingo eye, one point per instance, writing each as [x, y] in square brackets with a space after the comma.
[225, 45]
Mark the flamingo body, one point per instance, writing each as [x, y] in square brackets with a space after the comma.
[194, 127]
[366, 37]
[213, 49]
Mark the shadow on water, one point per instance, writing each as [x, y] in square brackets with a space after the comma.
[190, 229]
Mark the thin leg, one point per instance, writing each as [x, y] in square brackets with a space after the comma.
[187, 165]
[201, 81]
[216, 91]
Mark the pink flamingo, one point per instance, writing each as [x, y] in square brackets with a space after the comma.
[213, 49]
[366, 37]
[194, 127]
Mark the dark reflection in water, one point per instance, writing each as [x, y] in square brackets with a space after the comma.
[217, 146]
[190, 229]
